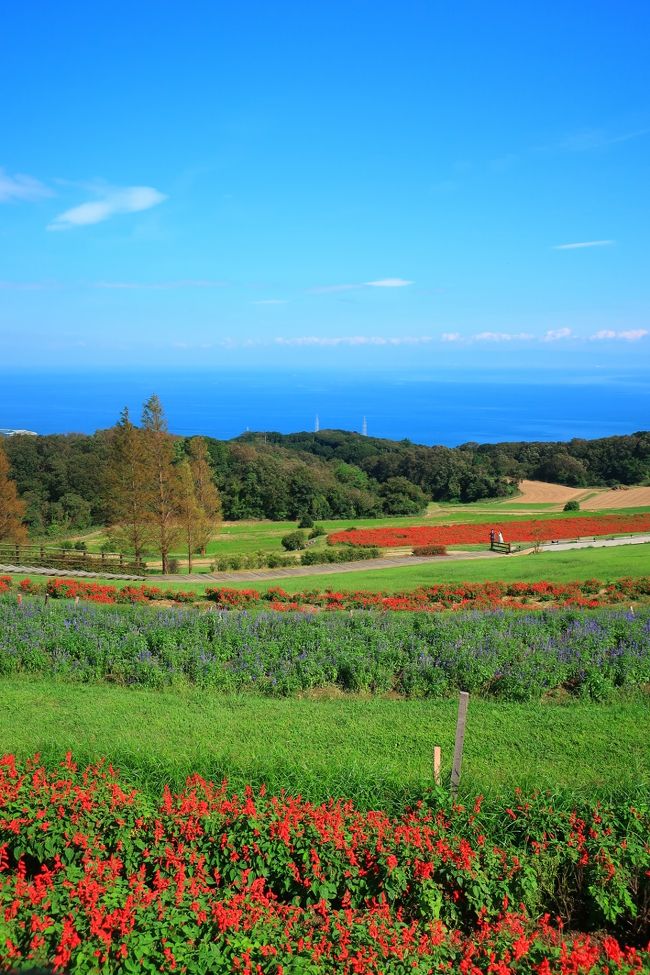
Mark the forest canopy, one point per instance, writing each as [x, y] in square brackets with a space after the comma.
[68, 480]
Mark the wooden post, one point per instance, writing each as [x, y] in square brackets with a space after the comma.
[463, 701]
[436, 765]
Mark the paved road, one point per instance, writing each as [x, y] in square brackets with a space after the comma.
[330, 568]
[66, 573]
[593, 543]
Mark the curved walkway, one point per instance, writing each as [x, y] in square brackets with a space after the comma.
[329, 568]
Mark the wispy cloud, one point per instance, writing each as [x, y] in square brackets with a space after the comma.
[496, 337]
[28, 285]
[333, 288]
[557, 334]
[129, 199]
[583, 243]
[381, 283]
[389, 283]
[503, 337]
[590, 139]
[157, 285]
[626, 335]
[21, 188]
[352, 340]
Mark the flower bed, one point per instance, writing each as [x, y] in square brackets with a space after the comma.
[502, 654]
[535, 530]
[94, 877]
[588, 594]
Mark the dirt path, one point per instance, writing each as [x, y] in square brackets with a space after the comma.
[330, 568]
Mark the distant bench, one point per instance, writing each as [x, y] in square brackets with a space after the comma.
[505, 547]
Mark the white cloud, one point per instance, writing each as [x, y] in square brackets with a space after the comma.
[503, 337]
[557, 334]
[583, 243]
[388, 283]
[333, 288]
[627, 335]
[380, 283]
[21, 188]
[353, 340]
[451, 337]
[27, 285]
[589, 139]
[157, 285]
[129, 199]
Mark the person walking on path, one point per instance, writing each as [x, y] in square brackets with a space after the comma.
[500, 538]
[492, 534]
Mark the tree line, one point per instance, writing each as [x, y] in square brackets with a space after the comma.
[155, 489]
[153, 495]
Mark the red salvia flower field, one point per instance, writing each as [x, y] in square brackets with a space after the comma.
[534, 530]
[94, 877]
[587, 593]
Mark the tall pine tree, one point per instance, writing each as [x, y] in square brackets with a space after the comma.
[207, 496]
[190, 516]
[12, 509]
[163, 498]
[128, 486]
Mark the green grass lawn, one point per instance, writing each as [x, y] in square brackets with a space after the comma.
[246, 537]
[374, 750]
[600, 563]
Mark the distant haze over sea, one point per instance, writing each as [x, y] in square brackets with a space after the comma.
[425, 409]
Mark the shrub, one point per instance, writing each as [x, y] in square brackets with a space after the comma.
[572, 506]
[306, 521]
[345, 553]
[430, 550]
[294, 541]
[173, 566]
[317, 532]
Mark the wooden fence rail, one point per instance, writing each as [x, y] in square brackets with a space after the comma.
[40, 556]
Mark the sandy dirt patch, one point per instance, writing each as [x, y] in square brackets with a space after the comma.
[539, 492]
[632, 497]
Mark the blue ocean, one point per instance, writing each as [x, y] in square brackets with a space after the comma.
[425, 409]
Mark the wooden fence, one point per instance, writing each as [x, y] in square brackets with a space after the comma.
[72, 560]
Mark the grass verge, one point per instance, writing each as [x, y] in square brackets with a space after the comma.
[600, 563]
[374, 750]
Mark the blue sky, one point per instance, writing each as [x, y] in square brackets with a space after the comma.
[364, 184]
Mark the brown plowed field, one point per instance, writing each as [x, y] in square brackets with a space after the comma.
[539, 492]
[634, 497]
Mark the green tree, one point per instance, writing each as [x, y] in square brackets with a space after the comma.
[129, 486]
[402, 498]
[12, 509]
[190, 516]
[205, 490]
[163, 495]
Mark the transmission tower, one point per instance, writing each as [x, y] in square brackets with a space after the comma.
[317, 424]
[364, 427]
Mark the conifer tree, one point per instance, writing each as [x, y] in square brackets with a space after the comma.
[190, 515]
[163, 496]
[12, 509]
[207, 496]
[128, 486]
